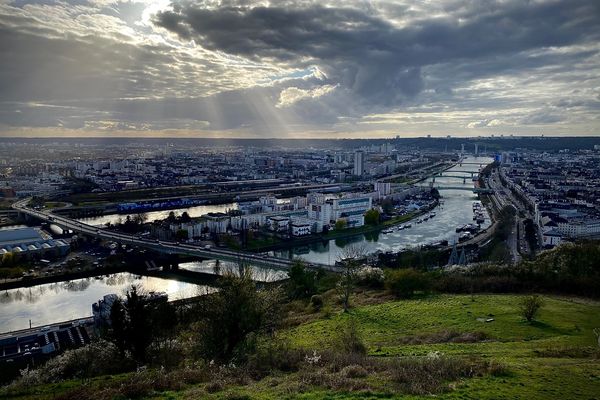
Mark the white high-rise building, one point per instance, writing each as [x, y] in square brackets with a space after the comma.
[359, 162]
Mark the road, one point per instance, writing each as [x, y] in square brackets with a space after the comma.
[516, 241]
[163, 246]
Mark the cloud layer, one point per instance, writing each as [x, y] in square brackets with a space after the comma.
[242, 67]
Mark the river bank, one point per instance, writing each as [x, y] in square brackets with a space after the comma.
[282, 244]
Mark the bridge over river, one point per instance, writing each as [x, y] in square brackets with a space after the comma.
[164, 247]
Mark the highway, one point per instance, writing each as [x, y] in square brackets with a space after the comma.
[163, 246]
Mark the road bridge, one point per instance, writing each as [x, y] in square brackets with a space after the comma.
[460, 172]
[164, 247]
[453, 176]
[467, 188]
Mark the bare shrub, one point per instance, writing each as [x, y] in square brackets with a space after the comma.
[569, 352]
[316, 302]
[97, 358]
[445, 336]
[274, 354]
[214, 387]
[429, 375]
[354, 371]
[349, 341]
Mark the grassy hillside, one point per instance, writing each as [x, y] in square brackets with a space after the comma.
[551, 358]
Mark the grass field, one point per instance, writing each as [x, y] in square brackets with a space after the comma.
[555, 357]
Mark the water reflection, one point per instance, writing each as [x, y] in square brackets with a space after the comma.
[55, 302]
[456, 210]
[160, 215]
[222, 267]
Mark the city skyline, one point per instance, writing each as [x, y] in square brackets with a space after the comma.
[299, 69]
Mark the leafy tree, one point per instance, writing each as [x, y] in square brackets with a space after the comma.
[387, 205]
[172, 217]
[234, 315]
[138, 321]
[302, 283]
[372, 217]
[529, 306]
[118, 325]
[8, 260]
[404, 283]
[181, 234]
[185, 217]
[340, 224]
[139, 326]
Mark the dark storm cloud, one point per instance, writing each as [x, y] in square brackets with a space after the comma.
[372, 57]
[299, 65]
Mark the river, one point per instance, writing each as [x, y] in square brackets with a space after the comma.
[62, 301]
[456, 210]
[160, 215]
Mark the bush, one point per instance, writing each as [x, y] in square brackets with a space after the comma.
[404, 283]
[302, 282]
[233, 318]
[349, 341]
[98, 358]
[274, 354]
[370, 277]
[354, 371]
[445, 336]
[529, 306]
[429, 375]
[316, 302]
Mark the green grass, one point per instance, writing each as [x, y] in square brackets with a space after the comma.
[563, 323]
[54, 204]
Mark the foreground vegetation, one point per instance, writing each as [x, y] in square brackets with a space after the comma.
[365, 334]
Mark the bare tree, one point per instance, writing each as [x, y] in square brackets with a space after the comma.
[349, 259]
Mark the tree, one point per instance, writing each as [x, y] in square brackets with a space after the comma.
[185, 217]
[117, 333]
[140, 219]
[372, 217]
[340, 224]
[302, 283]
[138, 321]
[349, 259]
[529, 307]
[387, 205]
[139, 324]
[172, 217]
[404, 283]
[232, 316]
[181, 234]
[8, 259]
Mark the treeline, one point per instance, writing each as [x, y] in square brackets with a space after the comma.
[571, 269]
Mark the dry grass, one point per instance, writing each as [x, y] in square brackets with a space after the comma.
[446, 336]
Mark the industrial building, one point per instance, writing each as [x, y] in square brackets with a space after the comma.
[31, 242]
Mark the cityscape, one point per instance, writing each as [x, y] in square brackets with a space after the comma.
[300, 200]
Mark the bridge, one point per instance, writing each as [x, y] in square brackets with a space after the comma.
[460, 172]
[165, 247]
[467, 188]
[452, 176]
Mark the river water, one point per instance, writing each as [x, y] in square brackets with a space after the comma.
[456, 210]
[160, 215]
[62, 301]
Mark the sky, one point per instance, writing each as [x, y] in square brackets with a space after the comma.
[299, 69]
